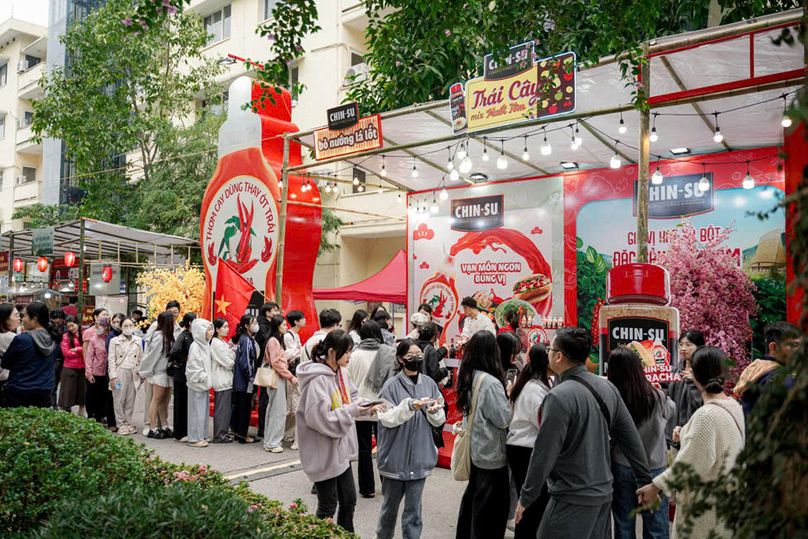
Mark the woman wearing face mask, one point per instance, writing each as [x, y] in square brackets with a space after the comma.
[114, 328]
[414, 405]
[276, 406]
[223, 359]
[199, 372]
[99, 398]
[125, 353]
[9, 322]
[325, 426]
[73, 382]
[243, 375]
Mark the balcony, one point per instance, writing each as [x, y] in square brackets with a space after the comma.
[24, 142]
[26, 193]
[28, 86]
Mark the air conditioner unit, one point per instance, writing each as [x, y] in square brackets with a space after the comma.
[20, 180]
[355, 73]
[22, 65]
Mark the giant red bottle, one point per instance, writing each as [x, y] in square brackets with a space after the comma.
[304, 223]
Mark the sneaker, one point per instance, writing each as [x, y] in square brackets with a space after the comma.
[294, 446]
[183, 440]
[146, 430]
[278, 449]
[167, 433]
[155, 434]
[199, 444]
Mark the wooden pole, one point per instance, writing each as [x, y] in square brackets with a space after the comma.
[346, 210]
[642, 169]
[282, 224]
[80, 304]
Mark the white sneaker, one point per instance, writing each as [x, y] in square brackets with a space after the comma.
[278, 449]
[146, 430]
[294, 446]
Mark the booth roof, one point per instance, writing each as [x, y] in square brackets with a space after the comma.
[388, 285]
[111, 238]
[718, 62]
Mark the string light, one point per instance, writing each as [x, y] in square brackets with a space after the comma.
[454, 175]
[380, 188]
[621, 127]
[450, 164]
[615, 161]
[465, 165]
[361, 188]
[400, 198]
[718, 137]
[657, 177]
[414, 172]
[573, 143]
[786, 122]
[280, 184]
[355, 177]
[654, 137]
[327, 187]
[434, 207]
[502, 161]
[384, 170]
[525, 155]
[461, 151]
[485, 149]
[704, 183]
[748, 181]
[444, 194]
[578, 139]
[546, 149]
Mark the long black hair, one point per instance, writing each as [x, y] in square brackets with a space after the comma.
[509, 345]
[165, 325]
[626, 373]
[480, 353]
[217, 325]
[187, 320]
[241, 328]
[70, 336]
[5, 313]
[274, 329]
[709, 366]
[536, 369]
[337, 340]
[512, 319]
[371, 330]
[356, 322]
[39, 310]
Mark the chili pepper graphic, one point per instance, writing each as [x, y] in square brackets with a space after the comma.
[212, 258]
[266, 254]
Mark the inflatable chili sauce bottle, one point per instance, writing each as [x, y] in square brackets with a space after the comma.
[239, 217]
[439, 291]
[304, 223]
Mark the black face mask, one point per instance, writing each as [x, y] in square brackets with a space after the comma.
[414, 363]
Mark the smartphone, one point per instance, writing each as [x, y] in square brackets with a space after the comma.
[371, 403]
[511, 376]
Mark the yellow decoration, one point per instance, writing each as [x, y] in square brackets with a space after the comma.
[184, 284]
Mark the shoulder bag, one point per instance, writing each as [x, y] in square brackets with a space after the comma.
[266, 377]
[461, 453]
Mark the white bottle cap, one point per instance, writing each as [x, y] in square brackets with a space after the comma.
[242, 128]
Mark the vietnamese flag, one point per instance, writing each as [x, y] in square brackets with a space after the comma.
[233, 293]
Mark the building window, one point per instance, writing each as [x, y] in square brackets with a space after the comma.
[217, 25]
[357, 59]
[28, 118]
[216, 106]
[3, 74]
[269, 5]
[362, 177]
[2, 127]
[31, 61]
[28, 174]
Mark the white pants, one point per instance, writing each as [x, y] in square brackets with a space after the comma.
[198, 415]
[147, 394]
[275, 422]
[124, 398]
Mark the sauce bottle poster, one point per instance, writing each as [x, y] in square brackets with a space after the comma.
[500, 243]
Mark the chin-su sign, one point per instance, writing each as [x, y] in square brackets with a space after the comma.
[514, 89]
[366, 134]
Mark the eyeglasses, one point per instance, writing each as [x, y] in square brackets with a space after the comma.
[556, 350]
[419, 356]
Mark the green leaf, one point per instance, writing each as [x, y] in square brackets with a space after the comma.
[579, 243]
[591, 254]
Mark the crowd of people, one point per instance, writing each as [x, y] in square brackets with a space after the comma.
[555, 451]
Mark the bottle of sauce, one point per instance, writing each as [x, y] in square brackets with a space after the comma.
[457, 104]
[638, 315]
[239, 217]
[439, 291]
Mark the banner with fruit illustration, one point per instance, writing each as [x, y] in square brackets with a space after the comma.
[499, 243]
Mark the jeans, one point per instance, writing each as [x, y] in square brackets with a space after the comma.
[364, 437]
[411, 524]
[337, 489]
[518, 460]
[654, 525]
[275, 414]
[484, 507]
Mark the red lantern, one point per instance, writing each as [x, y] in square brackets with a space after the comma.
[42, 264]
[106, 274]
[18, 265]
[70, 259]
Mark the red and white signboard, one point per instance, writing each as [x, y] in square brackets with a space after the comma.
[365, 135]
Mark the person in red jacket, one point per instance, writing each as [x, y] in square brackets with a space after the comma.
[73, 382]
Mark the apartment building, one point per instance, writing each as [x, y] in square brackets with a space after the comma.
[23, 54]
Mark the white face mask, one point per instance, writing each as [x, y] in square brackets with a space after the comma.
[128, 331]
[254, 327]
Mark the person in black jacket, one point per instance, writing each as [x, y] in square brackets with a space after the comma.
[57, 318]
[432, 356]
[268, 310]
[178, 357]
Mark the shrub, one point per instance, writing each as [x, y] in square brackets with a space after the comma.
[48, 456]
[177, 510]
[295, 523]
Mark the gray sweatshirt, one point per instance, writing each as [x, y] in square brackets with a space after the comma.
[652, 433]
[572, 448]
[491, 419]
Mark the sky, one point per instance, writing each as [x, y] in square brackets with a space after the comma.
[35, 11]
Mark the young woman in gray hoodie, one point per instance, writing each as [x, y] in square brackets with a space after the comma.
[325, 416]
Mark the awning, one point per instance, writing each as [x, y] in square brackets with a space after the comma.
[388, 285]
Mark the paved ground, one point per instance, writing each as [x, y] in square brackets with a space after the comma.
[280, 477]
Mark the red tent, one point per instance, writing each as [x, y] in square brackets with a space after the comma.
[388, 285]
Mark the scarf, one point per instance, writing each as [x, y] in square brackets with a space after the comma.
[383, 365]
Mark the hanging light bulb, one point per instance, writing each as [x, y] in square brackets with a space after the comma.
[615, 162]
[280, 184]
[434, 207]
[400, 198]
[621, 127]
[414, 172]
[786, 122]
[704, 183]
[657, 177]
[573, 143]
[485, 150]
[444, 194]
[361, 188]
[380, 190]
[546, 149]
[654, 137]
[355, 178]
[525, 154]
[450, 164]
[465, 165]
[384, 170]
[578, 139]
[328, 187]
[454, 175]
[718, 137]
[502, 161]
[748, 181]
[461, 151]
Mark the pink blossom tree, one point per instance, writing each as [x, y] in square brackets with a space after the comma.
[712, 293]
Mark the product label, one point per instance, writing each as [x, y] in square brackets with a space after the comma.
[518, 60]
[343, 117]
[623, 331]
[442, 299]
[650, 339]
[678, 196]
[480, 213]
[457, 102]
